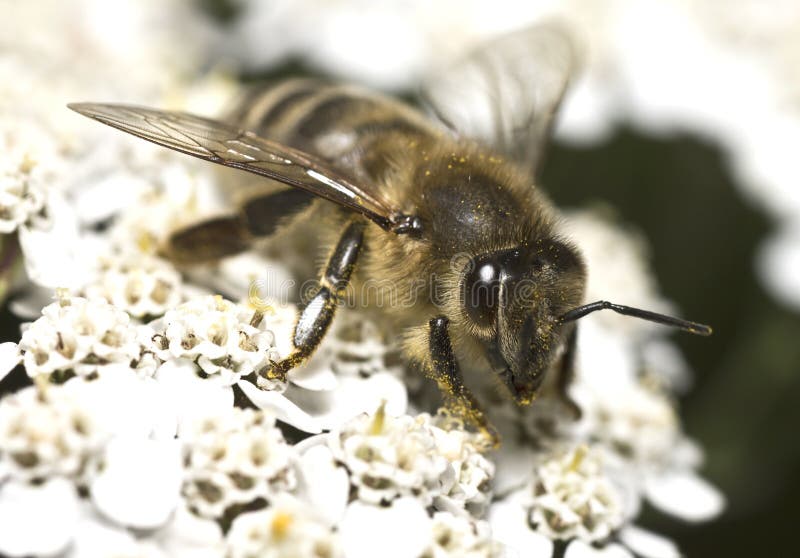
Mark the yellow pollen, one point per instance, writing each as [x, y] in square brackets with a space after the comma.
[219, 302]
[378, 420]
[580, 454]
[281, 522]
[27, 164]
[254, 300]
[144, 242]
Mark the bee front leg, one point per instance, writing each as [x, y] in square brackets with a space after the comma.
[318, 313]
[445, 370]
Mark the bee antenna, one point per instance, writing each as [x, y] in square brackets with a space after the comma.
[685, 325]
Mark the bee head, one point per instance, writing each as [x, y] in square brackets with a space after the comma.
[513, 300]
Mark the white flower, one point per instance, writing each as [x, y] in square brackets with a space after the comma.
[471, 487]
[638, 423]
[357, 348]
[138, 481]
[460, 537]
[352, 369]
[174, 192]
[46, 433]
[639, 430]
[289, 528]
[389, 457]
[144, 287]
[323, 482]
[217, 335]
[20, 198]
[571, 497]
[79, 336]
[29, 161]
[38, 520]
[235, 459]
[402, 529]
[9, 358]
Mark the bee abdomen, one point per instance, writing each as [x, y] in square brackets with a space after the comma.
[336, 122]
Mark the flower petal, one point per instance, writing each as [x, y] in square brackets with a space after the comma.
[37, 520]
[9, 358]
[685, 495]
[190, 397]
[140, 483]
[190, 536]
[352, 397]
[648, 544]
[53, 256]
[403, 530]
[284, 409]
[510, 528]
[96, 538]
[513, 464]
[326, 484]
[117, 400]
[316, 375]
[580, 549]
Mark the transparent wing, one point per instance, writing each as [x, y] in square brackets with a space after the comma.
[506, 92]
[227, 145]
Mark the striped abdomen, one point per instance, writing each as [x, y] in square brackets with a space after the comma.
[360, 131]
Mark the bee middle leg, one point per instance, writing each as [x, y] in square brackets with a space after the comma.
[258, 218]
[445, 371]
[318, 313]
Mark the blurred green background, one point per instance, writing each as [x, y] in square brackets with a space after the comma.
[744, 407]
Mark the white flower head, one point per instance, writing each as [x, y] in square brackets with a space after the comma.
[172, 192]
[288, 528]
[218, 336]
[79, 336]
[144, 287]
[571, 497]
[235, 459]
[24, 170]
[358, 349]
[469, 488]
[457, 536]
[638, 423]
[390, 457]
[45, 432]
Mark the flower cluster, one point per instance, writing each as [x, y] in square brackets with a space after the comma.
[21, 198]
[45, 433]
[144, 287]
[570, 497]
[455, 535]
[235, 460]
[390, 457]
[221, 337]
[289, 527]
[78, 336]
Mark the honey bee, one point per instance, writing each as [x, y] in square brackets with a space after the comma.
[445, 210]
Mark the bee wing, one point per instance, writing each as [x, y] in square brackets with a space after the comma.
[227, 145]
[506, 92]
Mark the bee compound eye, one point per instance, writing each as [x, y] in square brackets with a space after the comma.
[481, 291]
